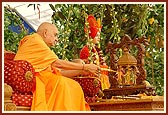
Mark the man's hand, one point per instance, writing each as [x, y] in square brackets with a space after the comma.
[94, 69]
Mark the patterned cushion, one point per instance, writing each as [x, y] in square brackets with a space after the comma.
[22, 99]
[90, 85]
[20, 75]
[8, 56]
[91, 99]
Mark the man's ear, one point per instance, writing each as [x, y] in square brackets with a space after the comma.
[45, 33]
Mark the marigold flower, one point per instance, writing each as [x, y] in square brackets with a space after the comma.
[94, 26]
[93, 31]
[151, 20]
[92, 21]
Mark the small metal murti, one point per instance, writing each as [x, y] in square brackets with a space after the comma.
[127, 69]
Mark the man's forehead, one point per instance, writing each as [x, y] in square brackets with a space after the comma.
[55, 29]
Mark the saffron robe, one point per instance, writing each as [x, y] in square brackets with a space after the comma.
[53, 92]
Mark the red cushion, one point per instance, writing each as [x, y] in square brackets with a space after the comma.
[8, 56]
[20, 75]
[90, 85]
[22, 99]
[91, 99]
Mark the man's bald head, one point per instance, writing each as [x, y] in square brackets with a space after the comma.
[48, 32]
[45, 25]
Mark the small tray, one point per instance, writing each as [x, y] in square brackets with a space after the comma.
[125, 97]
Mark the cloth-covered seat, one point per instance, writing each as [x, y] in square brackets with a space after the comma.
[91, 87]
[20, 75]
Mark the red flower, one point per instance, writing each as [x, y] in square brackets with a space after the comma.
[84, 53]
[93, 26]
[93, 31]
[92, 21]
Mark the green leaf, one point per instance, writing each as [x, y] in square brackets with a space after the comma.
[52, 7]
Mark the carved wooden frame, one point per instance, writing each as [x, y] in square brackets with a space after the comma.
[127, 42]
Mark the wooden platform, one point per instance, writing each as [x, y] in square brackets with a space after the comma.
[128, 90]
[22, 108]
[145, 103]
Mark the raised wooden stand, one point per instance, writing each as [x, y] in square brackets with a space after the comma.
[128, 90]
[145, 103]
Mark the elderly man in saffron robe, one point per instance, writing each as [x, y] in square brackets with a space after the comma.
[54, 91]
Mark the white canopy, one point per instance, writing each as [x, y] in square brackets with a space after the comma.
[29, 14]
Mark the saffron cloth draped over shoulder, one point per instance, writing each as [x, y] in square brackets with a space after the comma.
[53, 92]
[33, 49]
